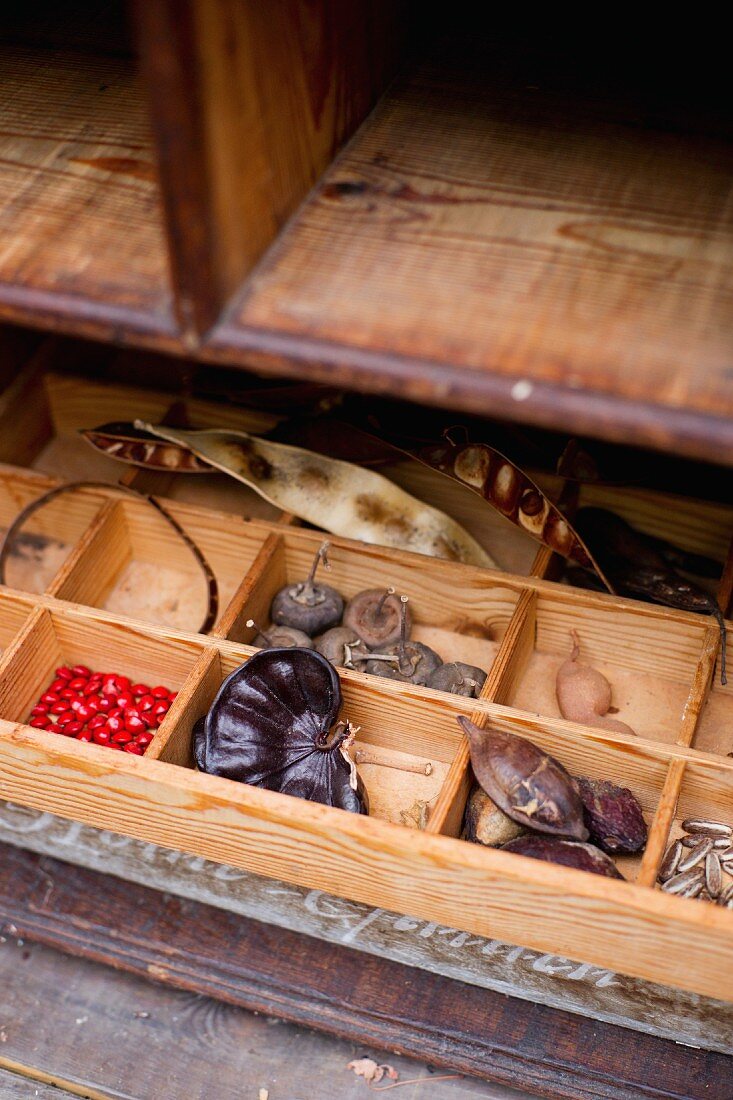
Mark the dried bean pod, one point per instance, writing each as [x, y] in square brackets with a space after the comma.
[613, 816]
[570, 853]
[126, 443]
[526, 783]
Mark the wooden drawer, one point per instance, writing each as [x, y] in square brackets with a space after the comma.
[661, 663]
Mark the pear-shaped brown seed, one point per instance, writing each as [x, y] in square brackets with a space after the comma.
[309, 605]
[343, 647]
[375, 615]
[582, 857]
[486, 824]
[530, 786]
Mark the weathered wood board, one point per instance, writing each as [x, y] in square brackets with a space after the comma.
[547, 979]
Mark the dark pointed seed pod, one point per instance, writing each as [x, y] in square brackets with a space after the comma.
[526, 783]
[275, 724]
[375, 614]
[486, 824]
[613, 816]
[280, 637]
[343, 647]
[459, 679]
[308, 605]
[415, 662]
[583, 857]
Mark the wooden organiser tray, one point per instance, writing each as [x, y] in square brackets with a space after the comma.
[661, 663]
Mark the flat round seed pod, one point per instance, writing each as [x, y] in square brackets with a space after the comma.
[274, 724]
[526, 783]
[458, 679]
[283, 637]
[416, 663]
[375, 615]
[343, 647]
[570, 853]
[613, 816]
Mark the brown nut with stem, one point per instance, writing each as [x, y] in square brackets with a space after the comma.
[529, 785]
[569, 853]
[458, 679]
[280, 637]
[342, 646]
[375, 615]
[309, 606]
[415, 662]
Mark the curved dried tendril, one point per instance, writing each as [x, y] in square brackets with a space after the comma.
[71, 486]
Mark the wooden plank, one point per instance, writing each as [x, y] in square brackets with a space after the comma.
[80, 216]
[485, 244]
[366, 1000]
[249, 105]
[17, 1085]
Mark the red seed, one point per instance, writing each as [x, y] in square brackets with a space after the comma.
[92, 687]
[144, 739]
[115, 723]
[40, 723]
[82, 670]
[59, 708]
[93, 703]
[172, 695]
[109, 687]
[161, 707]
[74, 704]
[58, 686]
[122, 737]
[67, 693]
[74, 728]
[160, 692]
[97, 722]
[101, 736]
[39, 708]
[84, 712]
[146, 702]
[105, 703]
[125, 699]
[65, 718]
[123, 683]
[116, 712]
[134, 724]
[83, 735]
[78, 683]
[64, 673]
[140, 689]
[49, 697]
[136, 750]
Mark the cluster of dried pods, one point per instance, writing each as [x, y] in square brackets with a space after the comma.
[699, 864]
[528, 803]
[371, 633]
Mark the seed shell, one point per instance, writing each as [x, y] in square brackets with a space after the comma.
[670, 861]
[694, 839]
[707, 828]
[679, 883]
[696, 855]
[713, 875]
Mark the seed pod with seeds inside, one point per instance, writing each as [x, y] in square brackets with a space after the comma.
[671, 859]
[713, 874]
[680, 882]
[309, 605]
[375, 615]
[707, 828]
[526, 783]
[695, 855]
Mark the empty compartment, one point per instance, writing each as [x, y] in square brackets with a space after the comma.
[136, 564]
[80, 645]
[647, 654]
[403, 746]
[46, 539]
[705, 806]
[459, 612]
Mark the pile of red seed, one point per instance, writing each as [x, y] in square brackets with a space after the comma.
[102, 707]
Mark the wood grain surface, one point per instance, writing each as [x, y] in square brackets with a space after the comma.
[370, 1002]
[80, 219]
[484, 243]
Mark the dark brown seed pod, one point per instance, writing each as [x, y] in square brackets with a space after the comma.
[343, 647]
[375, 615]
[309, 606]
[416, 662]
[526, 783]
[613, 816]
[486, 824]
[458, 679]
[280, 637]
[570, 853]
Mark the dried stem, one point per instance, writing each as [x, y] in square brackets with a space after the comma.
[305, 592]
[377, 614]
[362, 757]
[405, 665]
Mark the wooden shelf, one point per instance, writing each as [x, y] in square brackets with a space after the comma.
[484, 244]
[83, 244]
